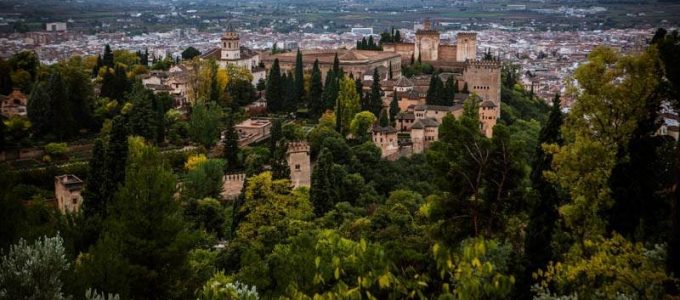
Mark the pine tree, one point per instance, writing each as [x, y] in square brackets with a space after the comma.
[275, 88]
[394, 108]
[375, 98]
[316, 103]
[230, 150]
[321, 191]
[299, 92]
[39, 109]
[108, 88]
[62, 122]
[543, 215]
[107, 60]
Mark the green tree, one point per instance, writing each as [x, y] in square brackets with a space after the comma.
[230, 147]
[33, 271]
[116, 157]
[143, 215]
[190, 53]
[204, 124]
[321, 191]
[61, 122]
[6, 84]
[241, 92]
[280, 168]
[375, 98]
[384, 121]
[39, 109]
[542, 218]
[276, 134]
[394, 109]
[107, 59]
[435, 93]
[204, 180]
[80, 93]
[299, 90]
[222, 287]
[27, 61]
[593, 133]
[275, 88]
[361, 125]
[348, 104]
[449, 91]
[316, 92]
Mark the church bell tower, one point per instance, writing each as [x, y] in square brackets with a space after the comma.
[231, 45]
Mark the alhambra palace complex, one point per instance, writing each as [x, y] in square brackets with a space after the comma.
[417, 123]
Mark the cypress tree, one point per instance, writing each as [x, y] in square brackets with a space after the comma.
[389, 72]
[330, 92]
[230, 150]
[116, 155]
[144, 61]
[107, 60]
[214, 84]
[280, 169]
[80, 96]
[449, 91]
[336, 65]
[397, 37]
[543, 215]
[120, 83]
[276, 134]
[62, 121]
[394, 108]
[316, 101]
[95, 186]
[299, 92]
[321, 190]
[159, 117]
[275, 88]
[384, 121]
[6, 84]
[108, 85]
[375, 98]
[39, 110]
[434, 92]
[360, 91]
[289, 93]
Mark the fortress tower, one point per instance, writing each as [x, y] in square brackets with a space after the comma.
[427, 43]
[299, 164]
[231, 45]
[466, 46]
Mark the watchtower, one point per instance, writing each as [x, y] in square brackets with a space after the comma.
[427, 43]
[299, 163]
[466, 46]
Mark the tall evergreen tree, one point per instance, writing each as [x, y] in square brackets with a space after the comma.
[6, 84]
[108, 88]
[107, 59]
[230, 150]
[276, 134]
[348, 105]
[363, 99]
[330, 92]
[299, 91]
[95, 193]
[116, 155]
[214, 84]
[375, 98]
[316, 101]
[397, 37]
[394, 108]
[321, 191]
[435, 90]
[389, 71]
[449, 91]
[62, 121]
[384, 121]
[39, 109]
[144, 235]
[142, 117]
[275, 88]
[544, 213]
[80, 95]
[336, 65]
[3, 127]
[121, 83]
[144, 61]
[280, 168]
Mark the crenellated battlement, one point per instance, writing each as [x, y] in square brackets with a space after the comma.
[468, 35]
[298, 146]
[483, 64]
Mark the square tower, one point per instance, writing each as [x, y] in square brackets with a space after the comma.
[466, 46]
[67, 190]
[231, 45]
[427, 43]
[299, 164]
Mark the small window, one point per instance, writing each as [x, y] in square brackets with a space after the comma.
[297, 167]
